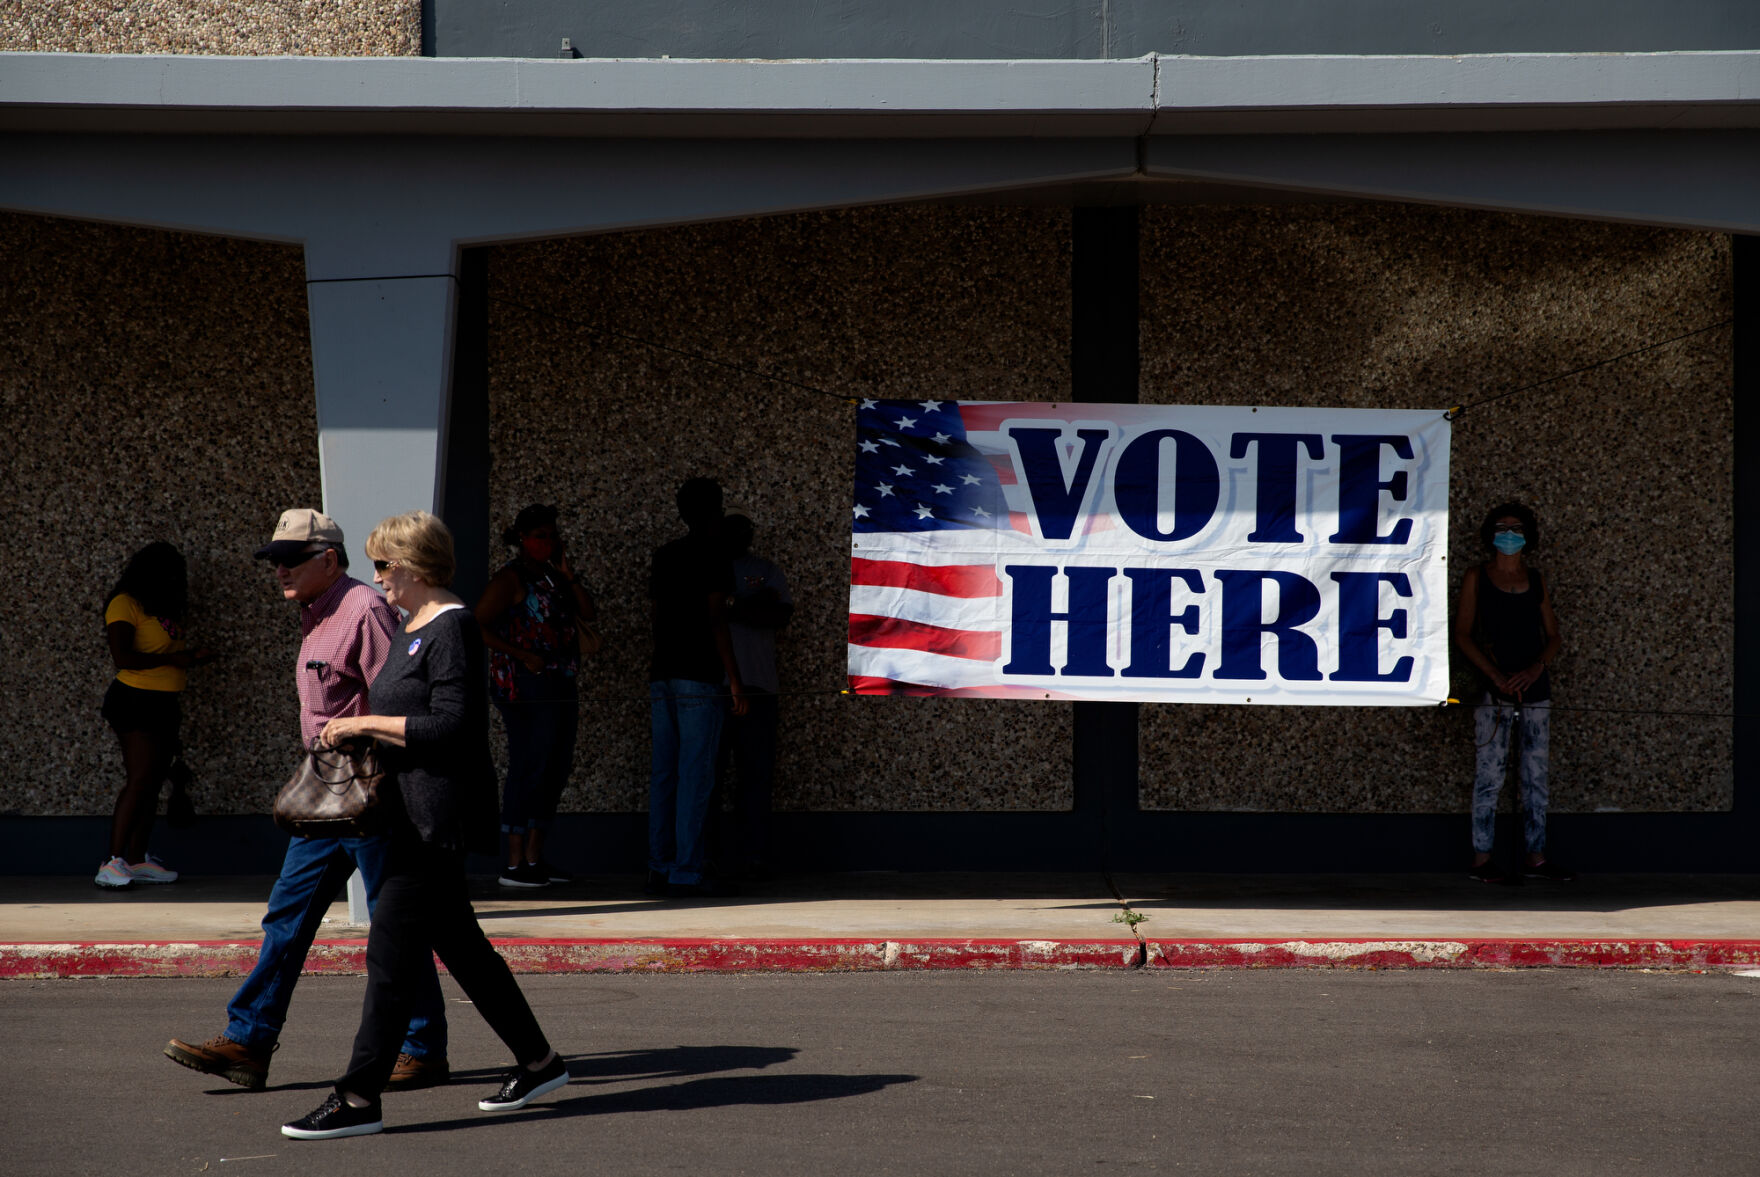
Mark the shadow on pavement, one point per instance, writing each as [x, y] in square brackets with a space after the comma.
[750, 1090]
[662, 1062]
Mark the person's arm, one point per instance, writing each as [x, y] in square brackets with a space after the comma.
[122, 652]
[503, 594]
[373, 643]
[1463, 633]
[717, 604]
[387, 729]
[1529, 675]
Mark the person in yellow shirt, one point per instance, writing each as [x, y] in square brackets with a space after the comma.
[143, 620]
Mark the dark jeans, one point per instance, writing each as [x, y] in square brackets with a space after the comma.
[541, 726]
[424, 907]
[313, 874]
[685, 720]
[749, 742]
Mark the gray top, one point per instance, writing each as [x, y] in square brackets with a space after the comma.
[754, 649]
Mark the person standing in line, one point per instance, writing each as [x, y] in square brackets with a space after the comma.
[530, 613]
[1506, 627]
[346, 629]
[430, 713]
[690, 582]
[143, 623]
[761, 606]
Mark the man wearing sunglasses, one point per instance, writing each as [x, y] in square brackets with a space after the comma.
[347, 629]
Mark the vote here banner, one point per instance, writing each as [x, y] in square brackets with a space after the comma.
[1174, 553]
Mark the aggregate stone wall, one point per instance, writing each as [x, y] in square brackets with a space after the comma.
[240, 28]
[154, 386]
[1628, 466]
[904, 302]
[158, 385]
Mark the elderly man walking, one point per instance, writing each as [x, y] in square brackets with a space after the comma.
[347, 631]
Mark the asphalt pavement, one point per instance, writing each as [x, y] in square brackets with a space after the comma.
[1548, 1072]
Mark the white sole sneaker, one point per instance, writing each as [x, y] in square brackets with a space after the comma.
[544, 1088]
[368, 1129]
[148, 872]
[114, 876]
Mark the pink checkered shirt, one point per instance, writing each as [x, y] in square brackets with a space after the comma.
[347, 634]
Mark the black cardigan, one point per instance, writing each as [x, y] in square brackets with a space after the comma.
[445, 779]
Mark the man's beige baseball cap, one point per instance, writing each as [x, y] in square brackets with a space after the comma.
[297, 530]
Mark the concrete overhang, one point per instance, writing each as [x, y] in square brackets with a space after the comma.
[867, 98]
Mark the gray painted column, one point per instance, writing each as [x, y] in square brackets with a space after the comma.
[382, 367]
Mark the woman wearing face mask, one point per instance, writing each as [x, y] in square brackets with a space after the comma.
[1505, 626]
[530, 614]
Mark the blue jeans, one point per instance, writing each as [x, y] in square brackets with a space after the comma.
[686, 720]
[1493, 724]
[313, 874]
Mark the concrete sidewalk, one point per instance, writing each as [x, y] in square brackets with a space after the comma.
[207, 926]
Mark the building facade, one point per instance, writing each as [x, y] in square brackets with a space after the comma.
[255, 263]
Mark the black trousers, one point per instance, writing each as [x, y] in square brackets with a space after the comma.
[424, 907]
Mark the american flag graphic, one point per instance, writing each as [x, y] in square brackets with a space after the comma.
[937, 509]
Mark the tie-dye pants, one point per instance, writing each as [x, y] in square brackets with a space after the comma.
[1492, 724]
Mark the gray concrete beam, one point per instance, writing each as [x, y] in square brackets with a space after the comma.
[1698, 180]
[869, 98]
[372, 207]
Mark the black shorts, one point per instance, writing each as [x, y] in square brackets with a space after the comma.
[130, 709]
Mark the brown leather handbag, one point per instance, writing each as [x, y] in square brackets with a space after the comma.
[334, 793]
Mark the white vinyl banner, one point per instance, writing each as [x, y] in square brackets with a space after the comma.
[1176, 553]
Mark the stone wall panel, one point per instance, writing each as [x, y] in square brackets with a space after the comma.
[906, 302]
[155, 386]
[237, 28]
[1629, 467]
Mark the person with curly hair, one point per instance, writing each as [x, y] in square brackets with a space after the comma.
[1506, 628]
[143, 623]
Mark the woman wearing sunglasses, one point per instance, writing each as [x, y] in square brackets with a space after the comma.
[1506, 628]
[430, 712]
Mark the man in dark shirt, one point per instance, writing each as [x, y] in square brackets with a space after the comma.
[691, 680]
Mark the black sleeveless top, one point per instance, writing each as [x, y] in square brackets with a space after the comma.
[1508, 627]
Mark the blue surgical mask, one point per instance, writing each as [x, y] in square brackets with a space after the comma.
[1509, 542]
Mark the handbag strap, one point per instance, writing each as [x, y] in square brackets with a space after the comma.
[330, 758]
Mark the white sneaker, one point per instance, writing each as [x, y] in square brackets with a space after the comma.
[115, 874]
[152, 871]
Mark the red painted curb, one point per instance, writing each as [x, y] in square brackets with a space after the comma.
[227, 958]
[1455, 954]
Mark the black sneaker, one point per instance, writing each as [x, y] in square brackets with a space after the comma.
[550, 873]
[1488, 872]
[524, 875]
[1550, 871]
[334, 1118]
[522, 1086]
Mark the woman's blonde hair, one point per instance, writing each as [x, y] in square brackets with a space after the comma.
[418, 541]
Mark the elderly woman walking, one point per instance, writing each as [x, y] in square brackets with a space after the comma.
[430, 716]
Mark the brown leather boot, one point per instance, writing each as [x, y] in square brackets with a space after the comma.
[247, 1066]
[413, 1074]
